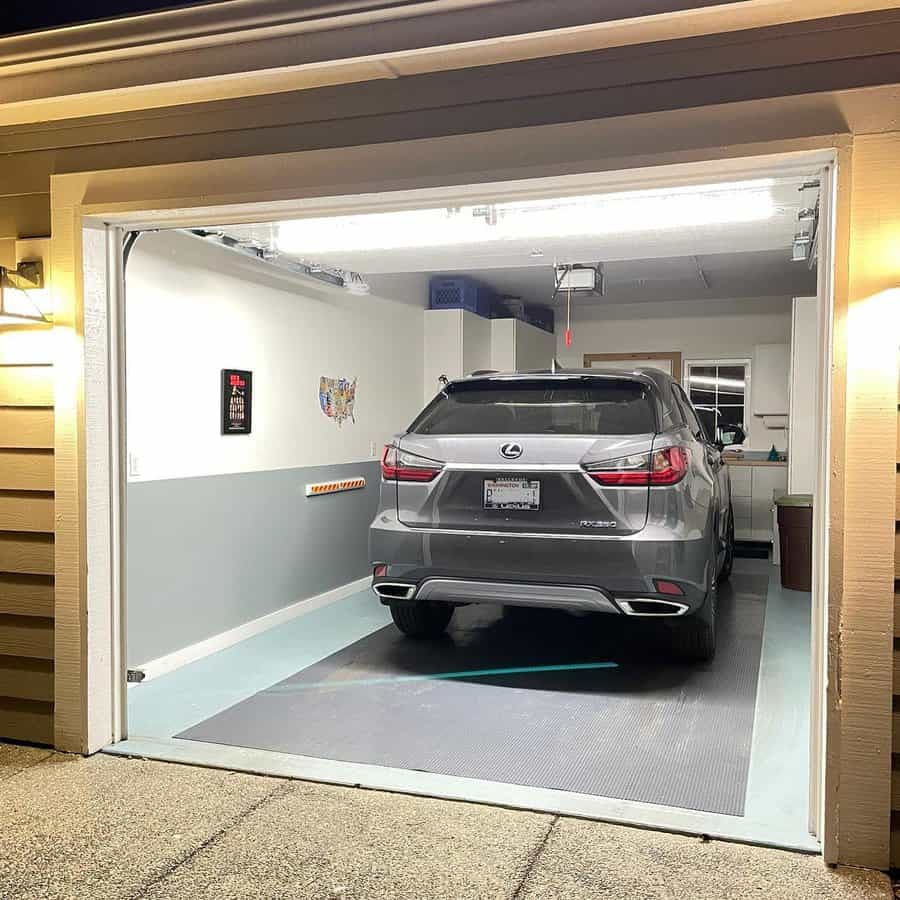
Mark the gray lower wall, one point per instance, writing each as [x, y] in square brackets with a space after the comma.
[207, 554]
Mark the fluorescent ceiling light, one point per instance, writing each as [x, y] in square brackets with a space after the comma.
[598, 214]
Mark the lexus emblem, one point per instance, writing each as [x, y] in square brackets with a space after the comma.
[511, 450]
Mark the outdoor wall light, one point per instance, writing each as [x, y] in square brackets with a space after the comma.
[18, 290]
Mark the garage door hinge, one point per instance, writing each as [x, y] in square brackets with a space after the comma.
[135, 676]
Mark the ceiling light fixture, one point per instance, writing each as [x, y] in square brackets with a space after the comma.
[20, 289]
[596, 214]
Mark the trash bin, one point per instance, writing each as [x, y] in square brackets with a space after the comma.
[795, 540]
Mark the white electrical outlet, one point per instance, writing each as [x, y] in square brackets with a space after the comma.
[373, 449]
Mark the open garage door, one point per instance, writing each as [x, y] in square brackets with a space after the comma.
[557, 489]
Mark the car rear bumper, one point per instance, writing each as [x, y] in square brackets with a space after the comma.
[585, 573]
[575, 598]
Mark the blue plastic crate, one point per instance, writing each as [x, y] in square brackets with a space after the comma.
[461, 293]
[539, 316]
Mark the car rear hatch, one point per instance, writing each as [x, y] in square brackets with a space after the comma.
[530, 454]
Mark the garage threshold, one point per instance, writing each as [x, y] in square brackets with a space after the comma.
[471, 790]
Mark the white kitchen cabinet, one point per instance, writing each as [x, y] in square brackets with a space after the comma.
[753, 489]
[456, 343]
[769, 482]
[803, 440]
[771, 379]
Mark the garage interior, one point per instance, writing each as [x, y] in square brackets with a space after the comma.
[250, 623]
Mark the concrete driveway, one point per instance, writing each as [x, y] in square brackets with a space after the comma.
[120, 828]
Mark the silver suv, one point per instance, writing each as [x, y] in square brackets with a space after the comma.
[586, 490]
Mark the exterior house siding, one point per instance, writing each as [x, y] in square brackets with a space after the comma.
[26, 534]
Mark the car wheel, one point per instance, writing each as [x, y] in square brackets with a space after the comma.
[423, 619]
[694, 637]
[728, 564]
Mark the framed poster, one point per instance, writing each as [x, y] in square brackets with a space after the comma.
[236, 401]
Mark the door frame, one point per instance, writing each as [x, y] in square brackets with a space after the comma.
[674, 359]
[91, 667]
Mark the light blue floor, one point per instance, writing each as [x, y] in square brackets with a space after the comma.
[777, 791]
[778, 781]
[168, 705]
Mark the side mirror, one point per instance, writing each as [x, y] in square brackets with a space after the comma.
[731, 436]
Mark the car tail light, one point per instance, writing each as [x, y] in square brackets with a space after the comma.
[662, 467]
[398, 465]
[380, 570]
[669, 587]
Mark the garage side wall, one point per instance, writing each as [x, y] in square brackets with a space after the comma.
[219, 529]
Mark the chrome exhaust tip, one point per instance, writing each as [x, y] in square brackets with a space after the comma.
[650, 606]
[394, 590]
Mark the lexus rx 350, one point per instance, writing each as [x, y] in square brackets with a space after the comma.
[589, 490]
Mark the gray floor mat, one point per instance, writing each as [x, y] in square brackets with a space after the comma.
[648, 729]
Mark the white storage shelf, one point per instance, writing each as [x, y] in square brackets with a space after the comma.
[753, 492]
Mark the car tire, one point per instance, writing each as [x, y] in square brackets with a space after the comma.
[694, 637]
[423, 619]
[728, 563]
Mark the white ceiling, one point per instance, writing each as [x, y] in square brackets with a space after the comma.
[767, 273]
[643, 262]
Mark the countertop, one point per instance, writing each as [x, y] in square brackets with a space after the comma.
[738, 461]
[752, 458]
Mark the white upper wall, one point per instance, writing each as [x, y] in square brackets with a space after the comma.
[698, 330]
[194, 308]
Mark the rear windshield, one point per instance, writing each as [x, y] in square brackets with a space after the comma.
[540, 406]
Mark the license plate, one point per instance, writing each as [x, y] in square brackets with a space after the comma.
[512, 493]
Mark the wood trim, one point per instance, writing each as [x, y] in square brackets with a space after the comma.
[27, 554]
[26, 470]
[70, 467]
[26, 636]
[26, 720]
[833, 834]
[26, 428]
[26, 511]
[26, 385]
[26, 679]
[26, 595]
[674, 358]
